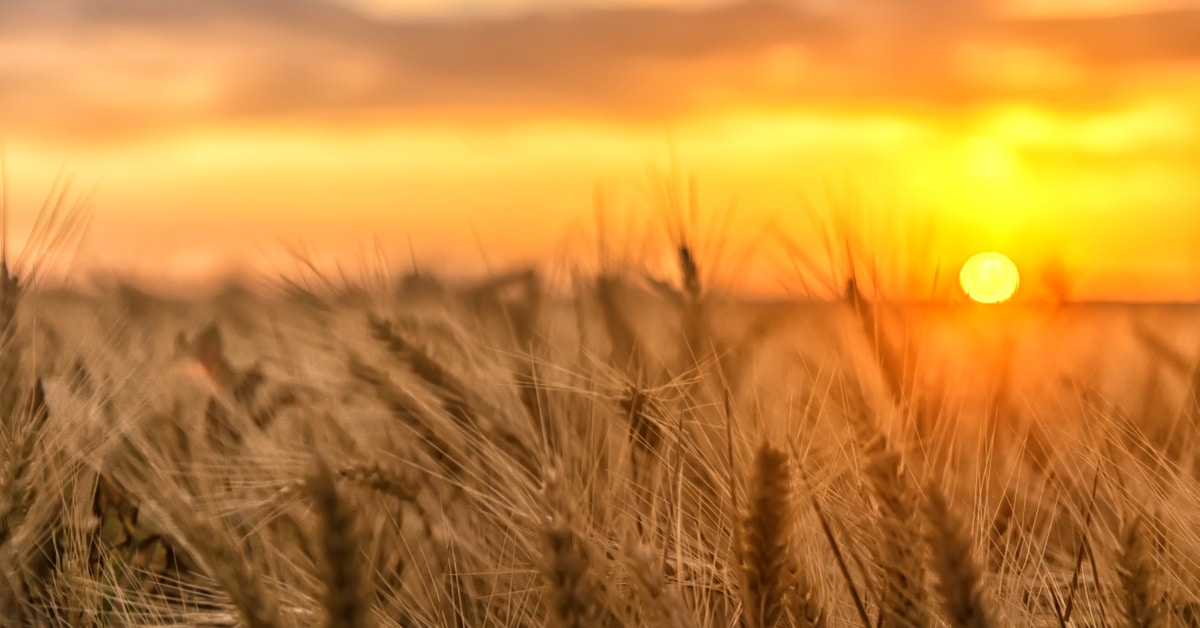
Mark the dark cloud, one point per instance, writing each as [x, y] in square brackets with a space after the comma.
[89, 67]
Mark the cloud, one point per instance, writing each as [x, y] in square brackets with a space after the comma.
[116, 68]
[1113, 41]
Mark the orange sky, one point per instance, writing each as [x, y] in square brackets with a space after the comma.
[1065, 134]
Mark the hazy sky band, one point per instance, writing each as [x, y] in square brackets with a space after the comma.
[223, 125]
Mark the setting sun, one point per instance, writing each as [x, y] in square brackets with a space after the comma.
[989, 278]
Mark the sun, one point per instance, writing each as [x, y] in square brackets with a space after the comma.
[990, 278]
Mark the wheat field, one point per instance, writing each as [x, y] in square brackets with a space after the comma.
[605, 451]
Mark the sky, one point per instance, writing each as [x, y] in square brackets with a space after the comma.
[475, 135]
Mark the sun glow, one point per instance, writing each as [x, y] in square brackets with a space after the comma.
[989, 278]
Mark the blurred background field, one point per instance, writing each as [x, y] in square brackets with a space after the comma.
[627, 452]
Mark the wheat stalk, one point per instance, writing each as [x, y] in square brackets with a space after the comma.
[903, 597]
[569, 566]
[959, 576]
[777, 590]
[345, 603]
[1139, 579]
